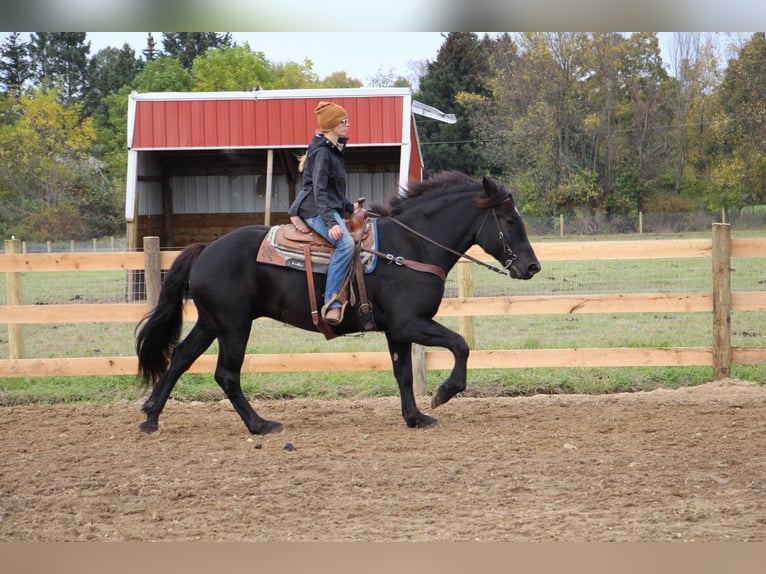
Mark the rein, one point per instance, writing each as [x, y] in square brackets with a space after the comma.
[406, 262]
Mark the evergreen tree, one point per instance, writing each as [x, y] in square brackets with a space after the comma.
[14, 64]
[186, 46]
[150, 52]
[108, 71]
[61, 58]
[461, 66]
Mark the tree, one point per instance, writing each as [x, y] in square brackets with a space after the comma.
[14, 65]
[293, 76]
[388, 80]
[743, 100]
[230, 69]
[61, 59]
[165, 74]
[150, 52]
[186, 46]
[109, 70]
[47, 175]
[461, 66]
[339, 80]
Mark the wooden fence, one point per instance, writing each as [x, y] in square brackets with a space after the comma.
[720, 355]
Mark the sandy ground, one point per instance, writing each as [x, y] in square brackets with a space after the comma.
[686, 464]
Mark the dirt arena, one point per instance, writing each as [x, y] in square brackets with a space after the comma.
[687, 464]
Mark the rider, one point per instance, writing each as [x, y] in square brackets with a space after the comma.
[323, 201]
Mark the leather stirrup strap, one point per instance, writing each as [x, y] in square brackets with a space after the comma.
[315, 318]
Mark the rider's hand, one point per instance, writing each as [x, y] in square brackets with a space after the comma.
[335, 232]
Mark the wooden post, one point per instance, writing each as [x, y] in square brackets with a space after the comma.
[465, 289]
[721, 301]
[640, 222]
[14, 295]
[561, 225]
[419, 370]
[269, 177]
[152, 273]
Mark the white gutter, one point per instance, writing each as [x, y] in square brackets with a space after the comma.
[431, 112]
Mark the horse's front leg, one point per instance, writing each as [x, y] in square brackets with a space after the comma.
[401, 359]
[429, 333]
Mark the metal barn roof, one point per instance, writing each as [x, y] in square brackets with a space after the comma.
[177, 126]
[265, 119]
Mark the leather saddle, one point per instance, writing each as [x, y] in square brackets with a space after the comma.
[285, 245]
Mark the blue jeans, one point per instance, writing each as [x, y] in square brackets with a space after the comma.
[341, 259]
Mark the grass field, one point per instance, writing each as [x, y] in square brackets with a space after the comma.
[503, 332]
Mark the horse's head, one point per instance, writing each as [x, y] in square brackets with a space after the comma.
[502, 233]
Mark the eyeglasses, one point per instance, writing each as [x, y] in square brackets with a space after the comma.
[344, 122]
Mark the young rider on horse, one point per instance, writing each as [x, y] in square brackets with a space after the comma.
[323, 201]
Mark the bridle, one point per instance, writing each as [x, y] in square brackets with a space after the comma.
[511, 256]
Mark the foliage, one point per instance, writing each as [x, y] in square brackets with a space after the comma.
[339, 80]
[236, 68]
[15, 66]
[164, 74]
[575, 122]
[185, 47]
[461, 67]
[45, 164]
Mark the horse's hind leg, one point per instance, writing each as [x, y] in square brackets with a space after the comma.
[231, 355]
[187, 351]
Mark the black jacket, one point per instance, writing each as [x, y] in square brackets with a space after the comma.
[324, 182]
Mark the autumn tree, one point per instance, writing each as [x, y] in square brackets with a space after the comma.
[48, 179]
[461, 66]
[743, 100]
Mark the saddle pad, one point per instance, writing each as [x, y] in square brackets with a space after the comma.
[281, 249]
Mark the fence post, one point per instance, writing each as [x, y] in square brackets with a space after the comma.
[419, 369]
[721, 301]
[465, 289]
[14, 295]
[561, 225]
[152, 272]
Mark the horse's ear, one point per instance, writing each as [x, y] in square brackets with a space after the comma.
[490, 187]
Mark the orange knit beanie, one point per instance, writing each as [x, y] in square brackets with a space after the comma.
[329, 115]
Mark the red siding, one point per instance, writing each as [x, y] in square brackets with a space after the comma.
[416, 171]
[288, 122]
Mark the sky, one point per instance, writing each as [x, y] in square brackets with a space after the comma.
[362, 55]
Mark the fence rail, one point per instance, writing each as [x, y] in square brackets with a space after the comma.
[720, 303]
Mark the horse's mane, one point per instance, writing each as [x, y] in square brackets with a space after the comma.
[440, 182]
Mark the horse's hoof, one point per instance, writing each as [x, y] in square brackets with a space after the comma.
[421, 422]
[439, 398]
[268, 427]
[148, 427]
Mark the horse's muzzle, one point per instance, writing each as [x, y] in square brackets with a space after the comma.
[517, 272]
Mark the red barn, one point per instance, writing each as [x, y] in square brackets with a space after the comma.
[201, 164]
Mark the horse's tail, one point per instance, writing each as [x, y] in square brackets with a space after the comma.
[158, 332]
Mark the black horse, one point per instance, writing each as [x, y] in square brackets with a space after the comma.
[434, 225]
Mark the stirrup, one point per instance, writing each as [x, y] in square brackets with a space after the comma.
[326, 307]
